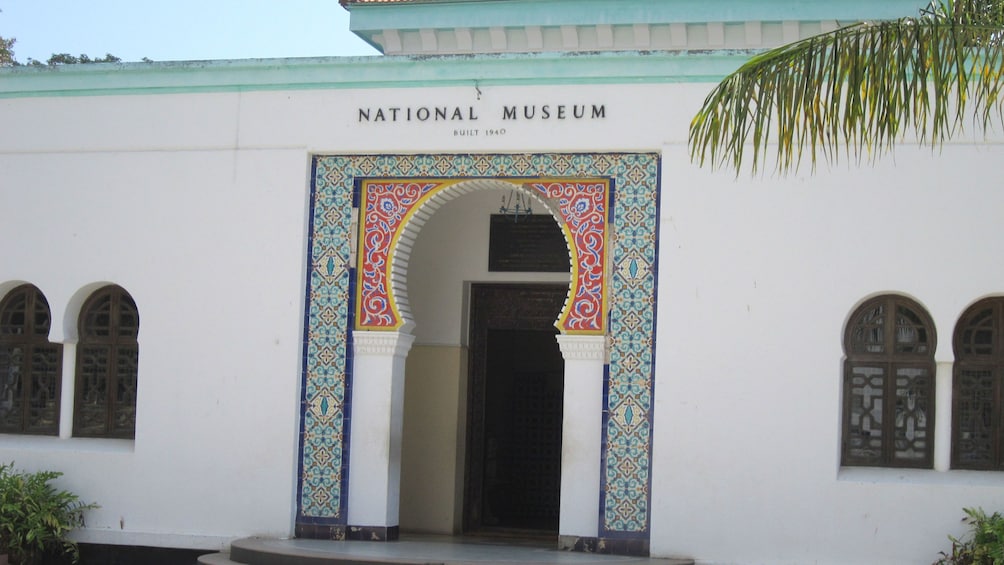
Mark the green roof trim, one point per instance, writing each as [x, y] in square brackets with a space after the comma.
[369, 72]
[368, 18]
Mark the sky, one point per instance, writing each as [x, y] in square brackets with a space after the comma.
[179, 30]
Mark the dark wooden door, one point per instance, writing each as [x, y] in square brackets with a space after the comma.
[514, 409]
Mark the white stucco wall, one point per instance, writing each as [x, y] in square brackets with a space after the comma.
[196, 204]
[757, 281]
[153, 195]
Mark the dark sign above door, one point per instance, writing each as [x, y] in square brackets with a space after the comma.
[528, 244]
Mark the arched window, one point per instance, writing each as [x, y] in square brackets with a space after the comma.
[976, 393]
[29, 365]
[888, 415]
[107, 358]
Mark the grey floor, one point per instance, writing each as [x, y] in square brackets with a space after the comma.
[413, 550]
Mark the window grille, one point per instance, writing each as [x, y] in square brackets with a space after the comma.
[107, 361]
[30, 366]
[976, 387]
[888, 409]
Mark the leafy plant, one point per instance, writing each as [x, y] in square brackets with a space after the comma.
[986, 546]
[35, 517]
[859, 89]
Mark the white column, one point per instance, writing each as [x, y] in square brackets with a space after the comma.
[376, 419]
[581, 435]
[943, 416]
[67, 388]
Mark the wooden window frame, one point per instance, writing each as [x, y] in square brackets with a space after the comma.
[891, 362]
[33, 341]
[992, 363]
[114, 345]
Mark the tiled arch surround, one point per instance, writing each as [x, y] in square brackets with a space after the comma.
[333, 360]
[392, 211]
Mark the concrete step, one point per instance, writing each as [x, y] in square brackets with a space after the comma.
[215, 559]
[419, 550]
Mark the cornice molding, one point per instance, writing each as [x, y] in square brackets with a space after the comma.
[395, 344]
[521, 26]
[583, 347]
[676, 36]
[249, 75]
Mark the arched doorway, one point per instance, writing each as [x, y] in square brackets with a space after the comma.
[392, 215]
[357, 336]
[443, 437]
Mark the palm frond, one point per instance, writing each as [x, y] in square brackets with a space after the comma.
[858, 90]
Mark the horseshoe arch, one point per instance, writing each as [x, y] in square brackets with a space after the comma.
[393, 211]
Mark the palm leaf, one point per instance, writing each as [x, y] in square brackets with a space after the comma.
[858, 90]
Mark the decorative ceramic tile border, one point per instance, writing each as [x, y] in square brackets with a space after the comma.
[584, 214]
[386, 207]
[632, 247]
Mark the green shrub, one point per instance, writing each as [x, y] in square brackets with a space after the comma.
[986, 543]
[35, 517]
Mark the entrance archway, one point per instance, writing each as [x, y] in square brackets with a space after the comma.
[351, 375]
[444, 435]
[450, 252]
[392, 214]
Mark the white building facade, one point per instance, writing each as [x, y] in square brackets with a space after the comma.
[268, 306]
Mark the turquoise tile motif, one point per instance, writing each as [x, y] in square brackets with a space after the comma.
[625, 494]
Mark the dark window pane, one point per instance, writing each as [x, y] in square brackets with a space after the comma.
[978, 334]
[975, 422]
[97, 318]
[11, 388]
[13, 318]
[128, 325]
[125, 393]
[41, 317]
[865, 395]
[911, 335]
[30, 366]
[867, 335]
[92, 390]
[43, 405]
[912, 430]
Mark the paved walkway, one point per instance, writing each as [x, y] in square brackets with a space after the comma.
[414, 550]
